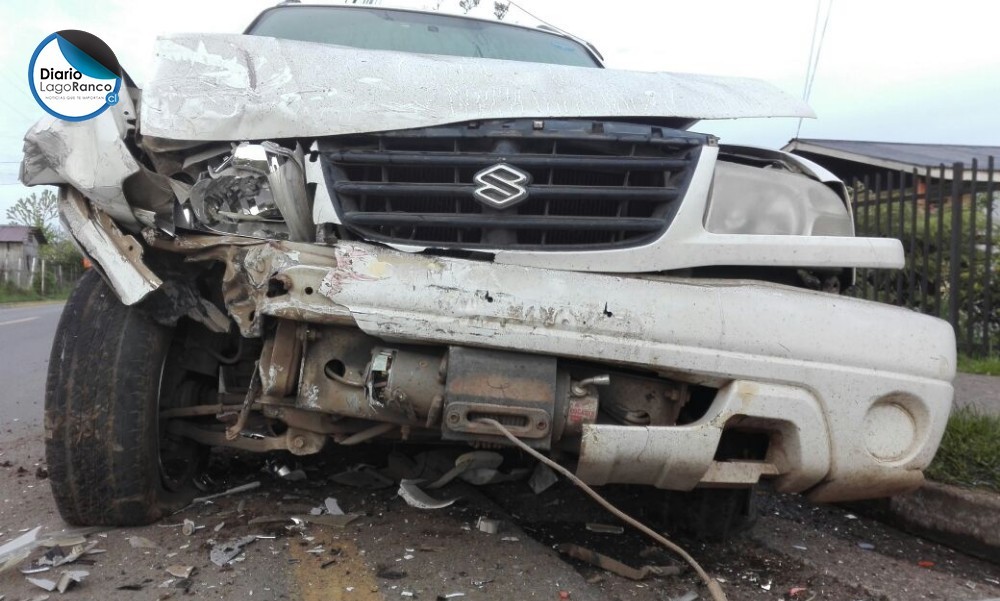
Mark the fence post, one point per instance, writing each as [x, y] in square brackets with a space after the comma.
[43, 277]
[955, 252]
[970, 299]
[988, 284]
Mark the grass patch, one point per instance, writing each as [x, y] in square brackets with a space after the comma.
[986, 366]
[12, 294]
[970, 451]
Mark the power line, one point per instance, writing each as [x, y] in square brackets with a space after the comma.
[815, 50]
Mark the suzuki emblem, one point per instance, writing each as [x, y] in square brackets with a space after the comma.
[501, 186]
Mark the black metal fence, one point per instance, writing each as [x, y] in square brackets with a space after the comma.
[948, 219]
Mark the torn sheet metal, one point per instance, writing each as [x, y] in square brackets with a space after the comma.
[119, 255]
[92, 157]
[237, 87]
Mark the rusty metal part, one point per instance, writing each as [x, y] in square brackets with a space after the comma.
[518, 390]
[365, 435]
[252, 393]
[218, 439]
[582, 388]
[200, 411]
[613, 565]
[312, 421]
[434, 413]
[407, 381]
[345, 372]
[643, 401]
[303, 442]
[580, 411]
[280, 359]
[525, 422]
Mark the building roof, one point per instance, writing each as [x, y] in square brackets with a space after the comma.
[20, 233]
[899, 155]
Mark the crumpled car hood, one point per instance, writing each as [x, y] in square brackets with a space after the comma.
[220, 87]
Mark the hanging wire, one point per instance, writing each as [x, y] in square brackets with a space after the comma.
[815, 50]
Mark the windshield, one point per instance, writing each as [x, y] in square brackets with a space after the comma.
[405, 31]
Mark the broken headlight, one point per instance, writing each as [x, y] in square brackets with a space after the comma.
[752, 200]
[258, 190]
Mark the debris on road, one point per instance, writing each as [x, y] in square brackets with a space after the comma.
[688, 596]
[141, 542]
[188, 528]
[613, 565]
[70, 578]
[415, 497]
[286, 473]
[542, 478]
[333, 520]
[475, 460]
[223, 553]
[488, 525]
[604, 528]
[179, 571]
[332, 507]
[43, 583]
[19, 549]
[362, 476]
[866, 546]
[232, 491]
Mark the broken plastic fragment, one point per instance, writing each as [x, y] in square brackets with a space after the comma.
[18, 549]
[542, 478]
[141, 542]
[488, 525]
[188, 528]
[604, 528]
[70, 578]
[44, 583]
[332, 507]
[415, 497]
[286, 473]
[223, 553]
[179, 571]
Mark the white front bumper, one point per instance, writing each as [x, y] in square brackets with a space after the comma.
[855, 393]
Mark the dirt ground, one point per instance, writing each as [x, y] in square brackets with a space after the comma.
[394, 551]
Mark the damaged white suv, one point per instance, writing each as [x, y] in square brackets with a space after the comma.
[355, 224]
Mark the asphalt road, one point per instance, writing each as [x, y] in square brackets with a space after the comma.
[798, 551]
[25, 339]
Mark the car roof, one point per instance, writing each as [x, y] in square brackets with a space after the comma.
[544, 28]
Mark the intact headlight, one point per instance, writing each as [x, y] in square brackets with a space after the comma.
[751, 200]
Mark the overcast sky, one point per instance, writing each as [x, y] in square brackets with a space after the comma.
[901, 71]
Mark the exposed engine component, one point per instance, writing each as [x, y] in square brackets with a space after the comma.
[444, 392]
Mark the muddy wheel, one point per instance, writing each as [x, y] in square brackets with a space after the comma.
[711, 514]
[110, 372]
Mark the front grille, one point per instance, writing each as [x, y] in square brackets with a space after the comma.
[593, 184]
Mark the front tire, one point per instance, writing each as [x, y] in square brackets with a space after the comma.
[103, 393]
